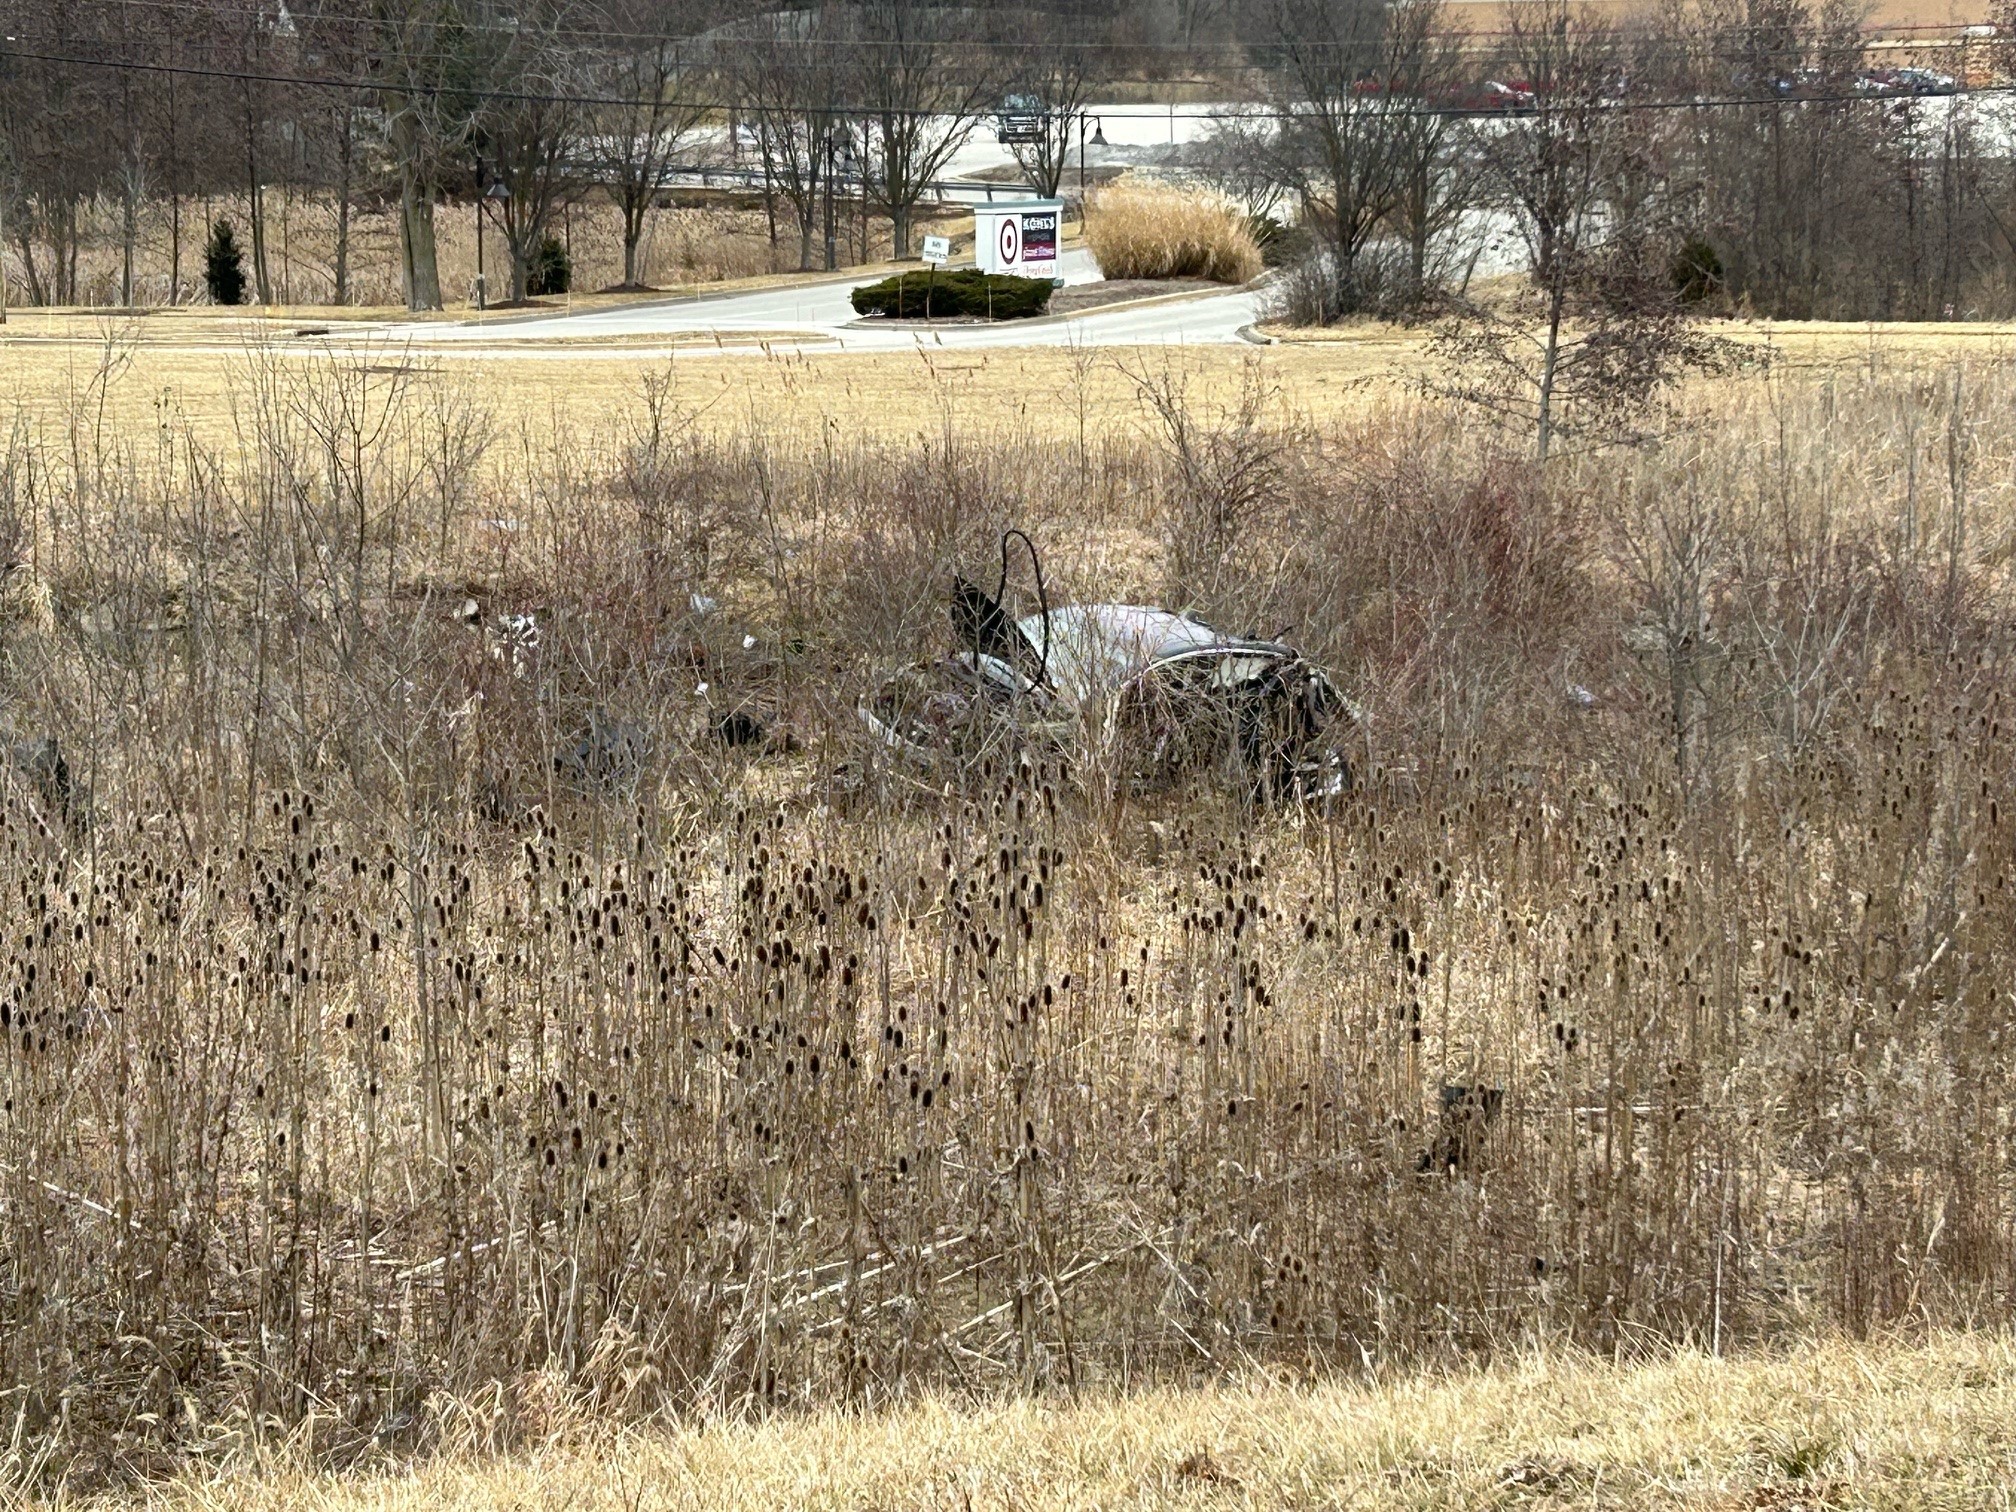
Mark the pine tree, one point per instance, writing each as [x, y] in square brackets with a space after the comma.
[552, 272]
[224, 266]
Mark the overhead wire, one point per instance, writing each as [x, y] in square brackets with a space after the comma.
[1238, 111]
[728, 32]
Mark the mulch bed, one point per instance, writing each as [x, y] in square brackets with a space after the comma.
[1081, 297]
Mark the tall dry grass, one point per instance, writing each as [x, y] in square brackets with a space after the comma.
[1149, 230]
[680, 246]
[416, 1016]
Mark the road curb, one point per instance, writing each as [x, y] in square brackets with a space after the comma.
[1181, 296]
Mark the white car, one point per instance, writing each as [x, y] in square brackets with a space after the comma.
[1145, 692]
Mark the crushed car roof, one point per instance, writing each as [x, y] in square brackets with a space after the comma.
[1095, 648]
[1169, 690]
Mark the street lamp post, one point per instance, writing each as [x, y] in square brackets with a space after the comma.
[483, 198]
[480, 303]
[1098, 140]
[832, 252]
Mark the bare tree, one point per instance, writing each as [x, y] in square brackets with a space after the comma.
[338, 38]
[788, 79]
[1598, 330]
[1341, 82]
[527, 135]
[57, 147]
[1056, 68]
[422, 60]
[1191, 20]
[1437, 181]
[1823, 196]
[1240, 156]
[922, 88]
[256, 39]
[165, 114]
[635, 144]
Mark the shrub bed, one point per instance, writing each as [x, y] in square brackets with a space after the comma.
[960, 292]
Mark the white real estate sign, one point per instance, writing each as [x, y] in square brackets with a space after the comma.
[1018, 237]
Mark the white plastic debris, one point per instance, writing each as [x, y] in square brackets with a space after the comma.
[514, 640]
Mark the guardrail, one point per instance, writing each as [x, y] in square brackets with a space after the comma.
[948, 191]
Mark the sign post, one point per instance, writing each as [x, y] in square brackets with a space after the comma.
[1018, 238]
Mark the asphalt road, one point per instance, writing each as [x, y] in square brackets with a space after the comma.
[820, 318]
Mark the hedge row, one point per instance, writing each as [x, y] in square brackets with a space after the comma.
[962, 291]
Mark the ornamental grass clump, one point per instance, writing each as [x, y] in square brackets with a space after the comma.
[1147, 230]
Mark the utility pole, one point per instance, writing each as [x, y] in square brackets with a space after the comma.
[832, 252]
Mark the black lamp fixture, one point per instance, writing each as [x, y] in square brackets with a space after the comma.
[496, 191]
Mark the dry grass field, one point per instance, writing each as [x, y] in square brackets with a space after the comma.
[472, 985]
[138, 374]
[1921, 1426]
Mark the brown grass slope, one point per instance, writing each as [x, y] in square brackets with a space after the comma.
[1920, 1426]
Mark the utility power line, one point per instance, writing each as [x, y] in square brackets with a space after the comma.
[730, 34]
[1122, 112]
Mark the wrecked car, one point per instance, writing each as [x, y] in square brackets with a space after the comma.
[1148, 694]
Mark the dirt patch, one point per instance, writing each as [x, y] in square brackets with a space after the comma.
[1081, 297]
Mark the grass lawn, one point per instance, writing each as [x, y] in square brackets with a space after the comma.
[1922, 1426]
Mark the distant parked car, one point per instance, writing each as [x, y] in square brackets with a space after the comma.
[1021, 118]
[1926, 81]
[1890, 83]
[1516, 95]
[1799, 84]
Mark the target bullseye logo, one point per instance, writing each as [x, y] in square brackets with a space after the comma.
[1011, 241]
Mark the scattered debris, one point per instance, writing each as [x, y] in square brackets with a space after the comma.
[607, 752]
[1159, 693]
[738, 727]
